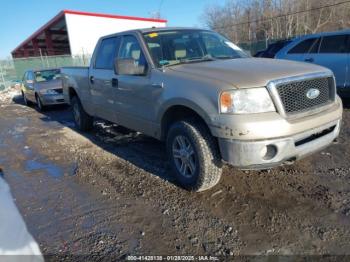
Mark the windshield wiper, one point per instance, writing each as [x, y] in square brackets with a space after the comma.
[225, 57]
[198, 59]
[192, 60]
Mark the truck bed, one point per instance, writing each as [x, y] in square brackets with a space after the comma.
[77, 77]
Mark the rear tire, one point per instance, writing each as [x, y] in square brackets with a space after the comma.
[193, 155]
[83, 121]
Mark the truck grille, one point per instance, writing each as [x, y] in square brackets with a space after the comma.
[294, 98]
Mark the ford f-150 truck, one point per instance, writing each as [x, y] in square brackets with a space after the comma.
[207, 99]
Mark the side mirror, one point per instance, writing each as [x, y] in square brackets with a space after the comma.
[126, 66]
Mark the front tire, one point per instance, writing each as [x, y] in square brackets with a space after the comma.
[25, 100]
[83, 121]
[193, 155]
[39, 104]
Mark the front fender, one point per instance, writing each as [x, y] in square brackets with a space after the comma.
[186, 103]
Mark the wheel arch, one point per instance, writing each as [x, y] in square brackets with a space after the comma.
[179, 110]
[71, 93]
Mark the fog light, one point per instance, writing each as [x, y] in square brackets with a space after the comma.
[269, 152]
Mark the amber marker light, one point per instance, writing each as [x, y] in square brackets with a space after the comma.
[226, 102]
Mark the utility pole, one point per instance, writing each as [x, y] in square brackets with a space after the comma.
[157, 14]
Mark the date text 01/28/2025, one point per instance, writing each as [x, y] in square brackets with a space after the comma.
[172, 258]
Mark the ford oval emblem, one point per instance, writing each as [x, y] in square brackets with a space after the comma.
[312, 93]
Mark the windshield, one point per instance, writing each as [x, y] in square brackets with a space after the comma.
[47, 75]
[188, 46]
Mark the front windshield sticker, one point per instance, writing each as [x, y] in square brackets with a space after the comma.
[152, 35]
[233, 46]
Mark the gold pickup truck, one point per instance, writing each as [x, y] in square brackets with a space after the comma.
[207, 99]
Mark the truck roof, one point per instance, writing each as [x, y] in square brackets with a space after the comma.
[155, 29]
[158, 29]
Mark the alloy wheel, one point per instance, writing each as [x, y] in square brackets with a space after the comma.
[76, 113]
[184, 156]
[38, 101]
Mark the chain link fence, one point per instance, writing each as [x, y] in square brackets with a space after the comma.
[12, 70]
[7, 73]
[253, 47]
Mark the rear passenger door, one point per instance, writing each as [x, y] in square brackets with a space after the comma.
[101, 78]
[333, 54]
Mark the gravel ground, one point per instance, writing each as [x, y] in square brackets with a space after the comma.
[109, 193]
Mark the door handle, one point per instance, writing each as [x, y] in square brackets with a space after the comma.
[115, 82]
[311, 60]
[92, 79]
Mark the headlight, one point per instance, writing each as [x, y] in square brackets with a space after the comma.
[246, 101]
[49, 92]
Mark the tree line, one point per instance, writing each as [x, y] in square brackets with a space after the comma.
[256, 20]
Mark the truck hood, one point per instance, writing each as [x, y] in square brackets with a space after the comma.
[248, 72]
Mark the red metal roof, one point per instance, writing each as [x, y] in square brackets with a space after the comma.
[40, 30]
[61, 15]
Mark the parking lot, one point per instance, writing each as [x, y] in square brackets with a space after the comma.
[110, 192]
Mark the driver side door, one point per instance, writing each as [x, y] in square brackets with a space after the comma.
[135, 95]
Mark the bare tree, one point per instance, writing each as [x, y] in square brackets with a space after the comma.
[256, 20]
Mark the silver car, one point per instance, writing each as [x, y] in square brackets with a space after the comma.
[43, 87]
[330, 50]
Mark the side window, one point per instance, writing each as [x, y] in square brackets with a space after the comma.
[106, 53]
[302, 47]
[334, 44]
[30, 76]
[131, 49]
[315, 46]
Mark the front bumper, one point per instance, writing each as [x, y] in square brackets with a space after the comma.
[274, 152]
[52, 99]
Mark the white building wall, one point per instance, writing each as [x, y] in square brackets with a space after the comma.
[84, 31]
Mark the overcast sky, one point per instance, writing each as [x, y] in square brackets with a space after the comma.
[20, 18]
